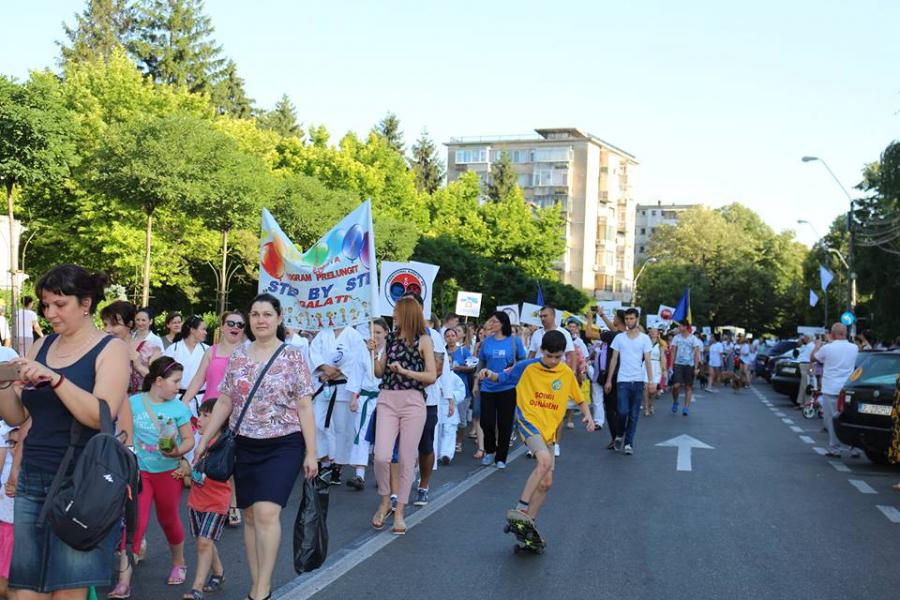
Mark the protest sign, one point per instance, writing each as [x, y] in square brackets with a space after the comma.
[398, 279]
[512, 311]
[330, 285]
[468, 304]
[530, 314]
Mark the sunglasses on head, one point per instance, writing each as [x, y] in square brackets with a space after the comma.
[230, 323]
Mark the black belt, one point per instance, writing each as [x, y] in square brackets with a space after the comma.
[182, 392]
[331, 400]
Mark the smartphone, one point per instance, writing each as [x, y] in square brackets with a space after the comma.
[10, 371]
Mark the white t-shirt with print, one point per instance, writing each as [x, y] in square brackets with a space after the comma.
[631, 356]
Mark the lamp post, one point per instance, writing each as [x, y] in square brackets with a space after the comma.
[640, 272]
[851, 275]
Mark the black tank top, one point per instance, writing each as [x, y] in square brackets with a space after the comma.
[51, 421]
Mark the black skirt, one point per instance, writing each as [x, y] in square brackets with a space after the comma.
[265, 469]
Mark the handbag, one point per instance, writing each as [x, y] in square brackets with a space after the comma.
[217, 462]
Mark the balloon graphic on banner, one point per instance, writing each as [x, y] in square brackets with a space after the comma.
[352, 242]
[271, 261]
[335, 241]
[364, 252]
[317, 255]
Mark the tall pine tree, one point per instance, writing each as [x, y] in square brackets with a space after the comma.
[229, 96]
[426, 164]
[503, 180]
[103, 26]
[283, 119]
[175, 44]
[389, 129]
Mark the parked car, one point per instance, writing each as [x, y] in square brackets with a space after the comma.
[865, 404]
[786, 374]
[765, 366]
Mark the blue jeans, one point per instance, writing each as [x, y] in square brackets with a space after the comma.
[630, 395]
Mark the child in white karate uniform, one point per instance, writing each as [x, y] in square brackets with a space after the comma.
[453, 396]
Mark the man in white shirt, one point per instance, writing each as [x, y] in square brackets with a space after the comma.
[805, 349]
[633, 351]
[548, 323]
[716, 359]
[27, 326]
[838, 358]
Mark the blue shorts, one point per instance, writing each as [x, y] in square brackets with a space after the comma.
[41, 561]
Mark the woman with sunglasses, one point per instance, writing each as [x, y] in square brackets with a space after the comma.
[211, 372]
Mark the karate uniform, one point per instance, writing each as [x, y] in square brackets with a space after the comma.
[336, 440]
[452, 390]
[361, 380]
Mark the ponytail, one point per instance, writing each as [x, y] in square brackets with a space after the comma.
[161, 367]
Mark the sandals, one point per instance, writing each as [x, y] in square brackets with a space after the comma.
[122, 591]
[193, 595]
[234, 516]
[459, 447]
[378, 521]
[214, 583]
[177, 575]
[478, 454]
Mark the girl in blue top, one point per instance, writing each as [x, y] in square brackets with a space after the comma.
[499, 351]
[463, 364]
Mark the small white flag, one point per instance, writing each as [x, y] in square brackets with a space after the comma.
[826, 276]
[813, 298]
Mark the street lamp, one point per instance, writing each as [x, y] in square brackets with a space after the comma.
[851, 288]
[649, 261]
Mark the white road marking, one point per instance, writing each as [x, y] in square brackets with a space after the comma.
[303, 587]
[862, 486]
[787, 421]
[807, 439]
[796, 429]
[839, 466]
[820, 451]
[684, 443]
[779, 414]
[890, 512]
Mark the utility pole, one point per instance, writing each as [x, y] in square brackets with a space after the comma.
[851, 276]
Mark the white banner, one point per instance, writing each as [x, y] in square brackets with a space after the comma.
[654, 322]
[530, 314]
[330, 285]
[512, 310]
[398, 279]
[468, 304]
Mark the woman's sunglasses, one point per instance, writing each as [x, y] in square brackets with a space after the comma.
[235, 324]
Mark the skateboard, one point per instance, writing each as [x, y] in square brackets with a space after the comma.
[527, 537]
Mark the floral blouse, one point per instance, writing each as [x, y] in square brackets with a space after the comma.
[273, 410]
[145, 351]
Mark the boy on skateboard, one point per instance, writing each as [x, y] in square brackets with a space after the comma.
[544, 387]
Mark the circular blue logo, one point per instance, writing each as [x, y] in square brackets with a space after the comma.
[848, 318]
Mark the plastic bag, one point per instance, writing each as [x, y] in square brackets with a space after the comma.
[310, 528]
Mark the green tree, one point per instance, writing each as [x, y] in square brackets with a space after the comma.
[35, 147]
[389, 129]
[100, 29]
[229, 96]
[282, 119]
[174, 44]
[157, 162]
[503, 180]
[318, 136]
[427, 165]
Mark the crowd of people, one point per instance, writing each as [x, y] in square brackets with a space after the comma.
[404, 397]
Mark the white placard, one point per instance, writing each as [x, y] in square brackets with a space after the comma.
[654, 322]
[512, 311]
[530, 314]
[398, 279]
[810, 330]
[468, 304]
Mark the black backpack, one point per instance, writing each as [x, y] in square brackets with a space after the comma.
[83, 509]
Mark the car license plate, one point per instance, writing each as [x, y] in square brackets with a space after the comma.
[875, 409]
[790, 370]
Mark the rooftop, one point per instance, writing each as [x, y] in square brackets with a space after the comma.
[540, 135]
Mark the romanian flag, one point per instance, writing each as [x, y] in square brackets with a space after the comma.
[683, 310]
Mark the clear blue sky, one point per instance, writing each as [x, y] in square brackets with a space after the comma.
[717, 102]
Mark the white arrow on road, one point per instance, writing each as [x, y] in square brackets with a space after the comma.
[684, 443]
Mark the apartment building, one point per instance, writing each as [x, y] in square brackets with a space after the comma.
[648, 218]
[589, 179]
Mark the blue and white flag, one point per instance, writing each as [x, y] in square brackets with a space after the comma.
[813, 298]
[825, 276]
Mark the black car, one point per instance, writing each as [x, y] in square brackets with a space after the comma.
[865, 404]
[765, 365]
[786, 374]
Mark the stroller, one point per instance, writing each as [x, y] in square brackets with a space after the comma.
[812, 408]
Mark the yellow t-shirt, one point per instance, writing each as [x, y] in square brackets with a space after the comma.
[542, 396]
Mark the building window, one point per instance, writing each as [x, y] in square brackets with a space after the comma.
[641, 250]
[652, 230]
[550, 177]
[653, 213]
[524, 180]
[472, 155]
[552, 155]
[643, 213]
[643, 231]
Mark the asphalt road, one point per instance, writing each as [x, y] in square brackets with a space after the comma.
[760, 515]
